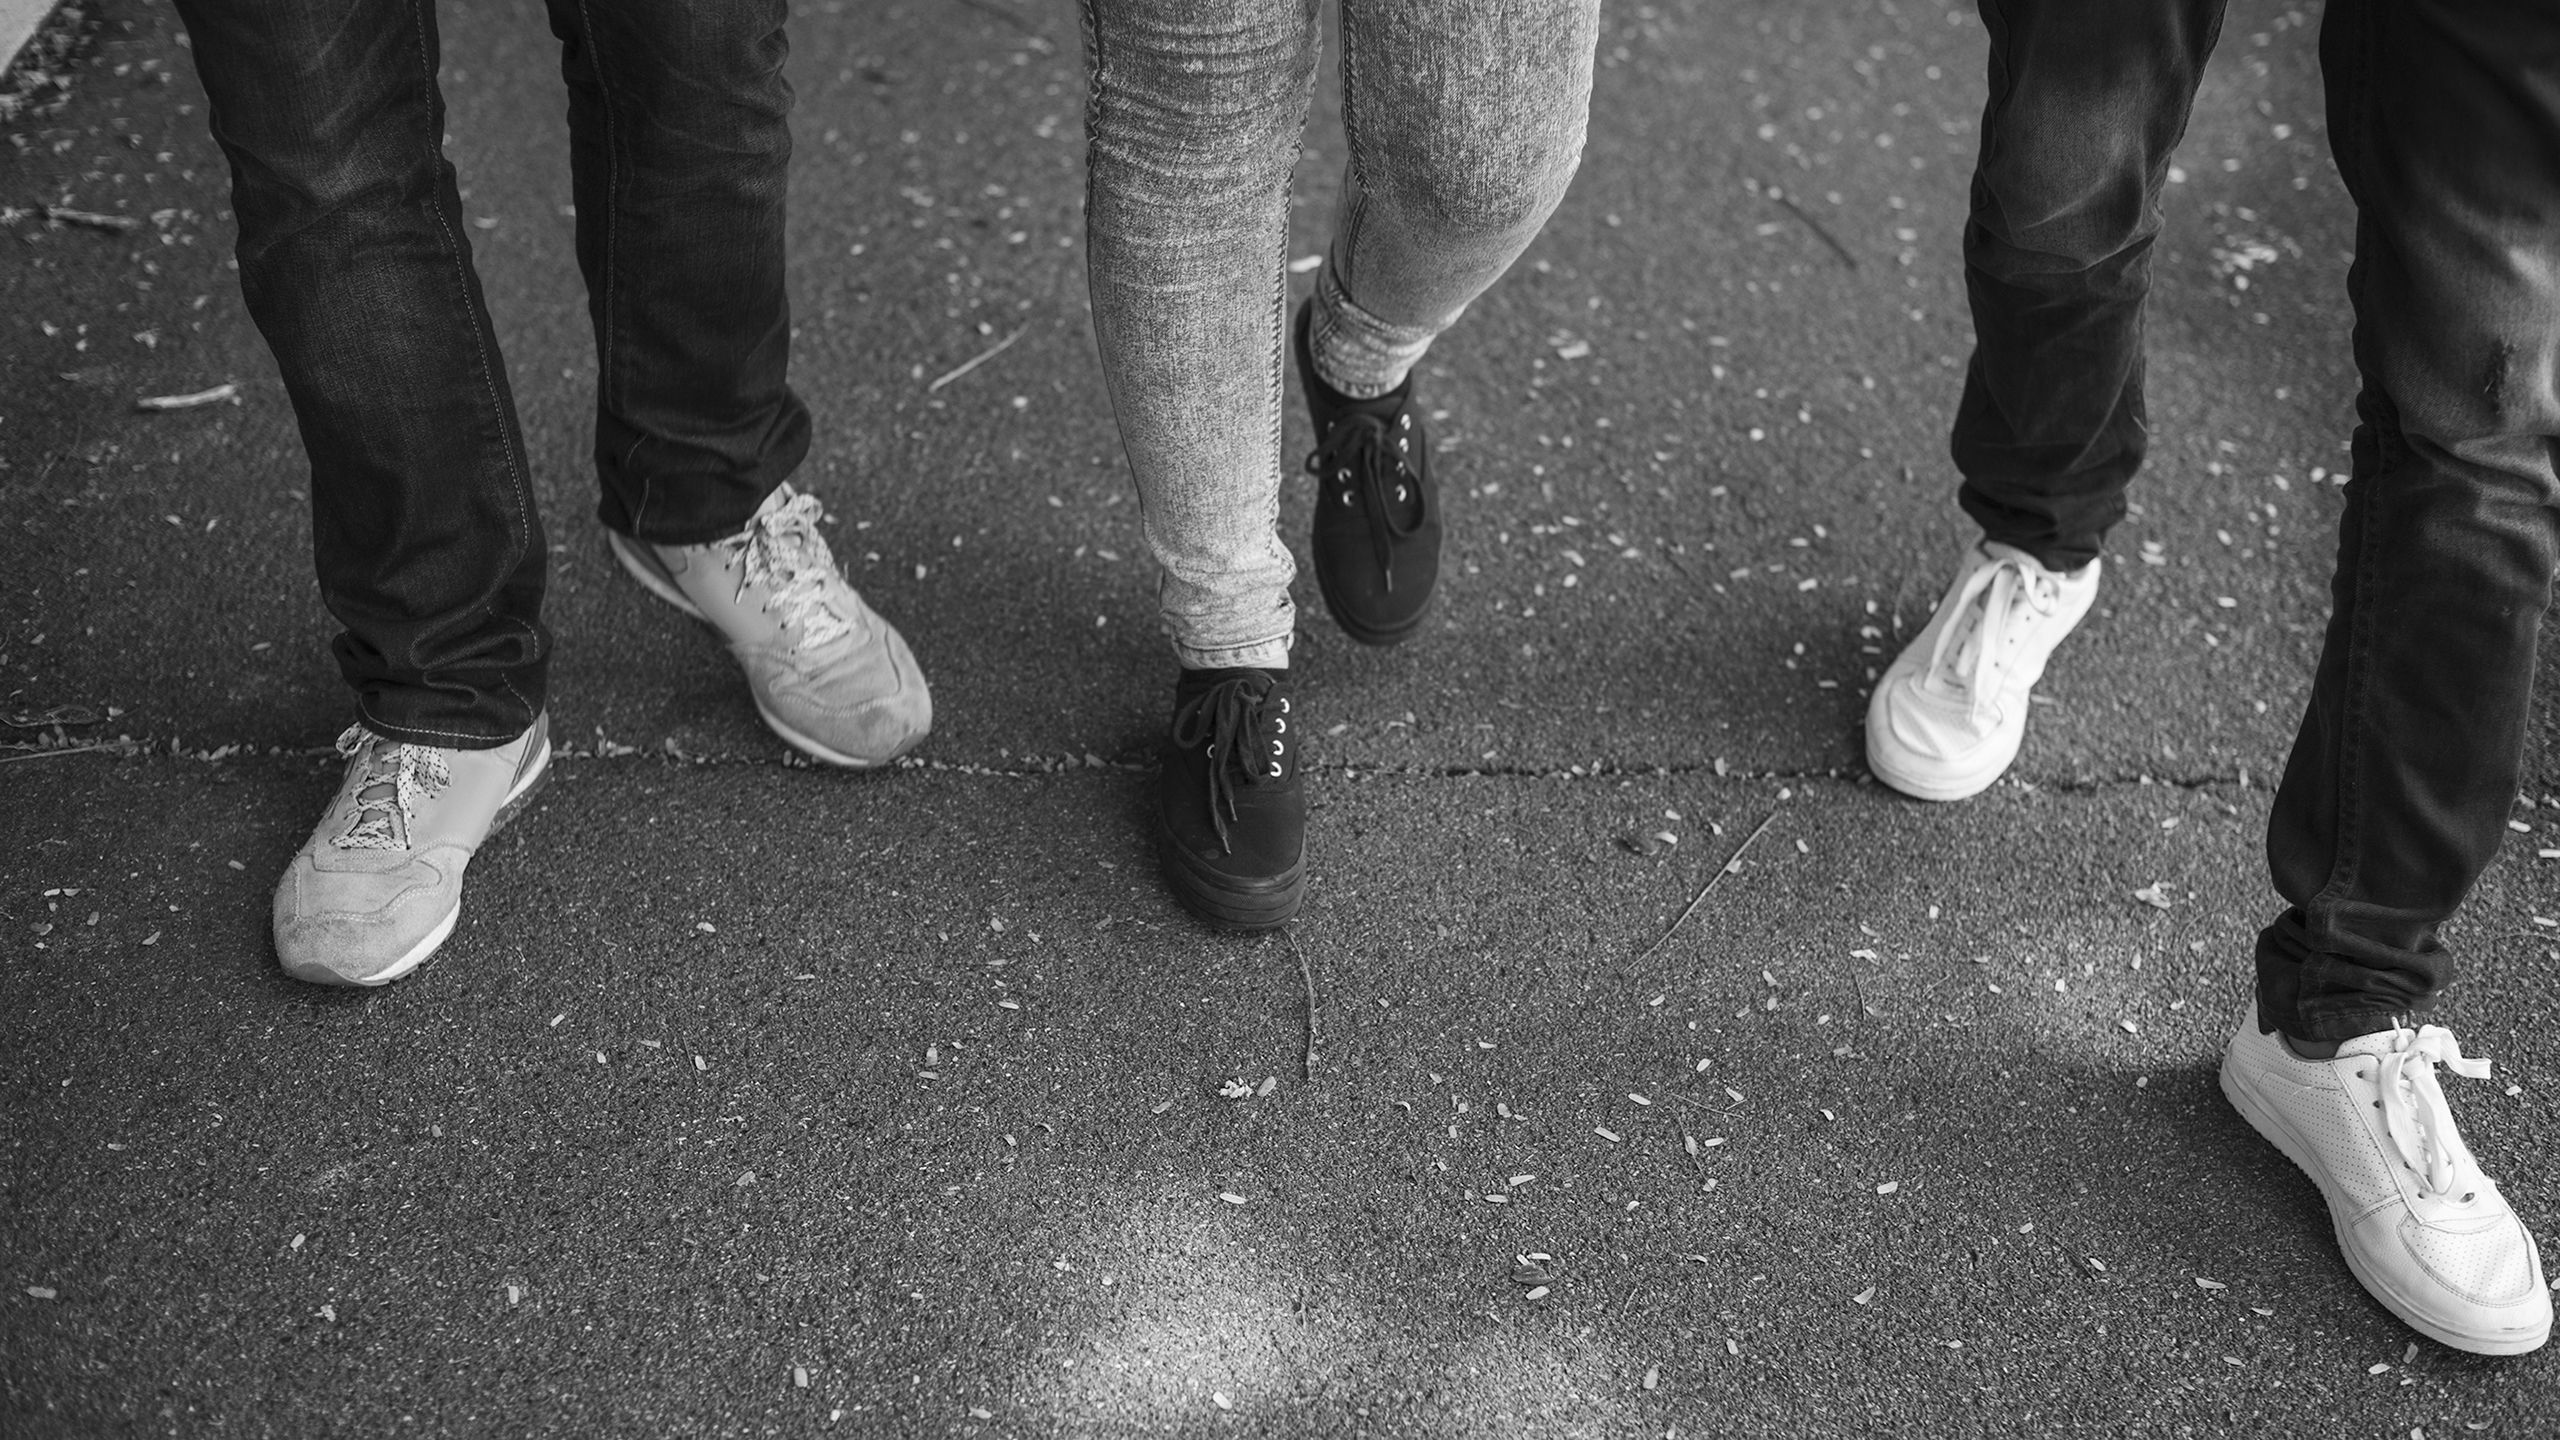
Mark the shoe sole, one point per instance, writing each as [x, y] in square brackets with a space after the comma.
[637, 566]
[2275, 1133]
[1216, 899]
[514, 805]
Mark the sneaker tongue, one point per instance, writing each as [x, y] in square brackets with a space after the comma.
[2380, 1042]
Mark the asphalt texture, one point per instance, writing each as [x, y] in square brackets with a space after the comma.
[754, 1099]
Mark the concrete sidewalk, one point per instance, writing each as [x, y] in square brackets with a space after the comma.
[752, 1099]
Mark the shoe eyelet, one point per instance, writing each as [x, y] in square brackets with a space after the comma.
[1399, 494]
[1284, 704]
[1404, 422]
[1346, 497]
[1278, 749]
[1342, 475]
[1281, 724]
[1275, 772]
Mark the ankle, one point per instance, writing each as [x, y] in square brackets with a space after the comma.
[2311, 1049]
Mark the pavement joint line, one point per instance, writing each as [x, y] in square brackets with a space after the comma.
[2241, 779]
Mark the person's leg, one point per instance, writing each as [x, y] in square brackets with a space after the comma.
[2444, 118]
[427, 541]
[2087, 103]
[1465, 123]
[680, 145]
[1192, 122]
[354, 264]
[679, 149]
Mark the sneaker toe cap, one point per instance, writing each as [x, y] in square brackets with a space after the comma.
[2491, 1267]
[361, 926]
[867, 707]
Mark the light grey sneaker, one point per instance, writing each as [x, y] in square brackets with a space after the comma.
[828, 674]
[2421, 1227]
[378, 886]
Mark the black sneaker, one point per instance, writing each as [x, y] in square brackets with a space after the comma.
[1229, 803]
[1377, 530]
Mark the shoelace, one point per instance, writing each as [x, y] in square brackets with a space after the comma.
[784, 549]
[1361, 454]
[1974, 647]
[1223, 718]
[395, 779]
[2413, 1108]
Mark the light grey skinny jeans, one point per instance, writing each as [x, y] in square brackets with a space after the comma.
[1465, 120]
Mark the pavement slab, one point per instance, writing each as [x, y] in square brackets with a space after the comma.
[917, 1088]
[755, 1099]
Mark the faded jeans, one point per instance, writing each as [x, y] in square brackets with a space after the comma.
[2088, 100]
[1465, 120]
[2444, 119]
[356, 265]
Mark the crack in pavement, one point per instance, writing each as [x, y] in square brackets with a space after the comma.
[1044, 767]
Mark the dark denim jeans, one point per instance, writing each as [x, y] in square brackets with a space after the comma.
[357, 268]
[2444, 118]
[2088, 98]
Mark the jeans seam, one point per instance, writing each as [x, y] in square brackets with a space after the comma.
[608, 272]
[513, 460]
[2353, 686]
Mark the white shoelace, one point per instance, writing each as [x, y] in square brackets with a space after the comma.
[395, 780]
[1996, 604]
[783, 549]
[2413, 1108]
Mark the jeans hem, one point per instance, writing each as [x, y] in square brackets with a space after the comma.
[1252, 655]
[437, 739]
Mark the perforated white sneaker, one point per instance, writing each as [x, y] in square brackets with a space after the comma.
[1948, 716]
[828, 674]
[2424, 1230]
[378, 886]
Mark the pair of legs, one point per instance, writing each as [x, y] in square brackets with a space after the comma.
[1465, 123]
[2444, 119]
[426, 535]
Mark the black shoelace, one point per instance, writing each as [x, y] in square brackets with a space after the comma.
[1233, 719]
[1365, 457]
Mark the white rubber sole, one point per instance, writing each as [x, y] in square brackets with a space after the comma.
[2411, 1314]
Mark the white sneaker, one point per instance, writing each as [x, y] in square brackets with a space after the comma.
[1948, 715]
[828, 674]
[378, 886]
[2421, 1227]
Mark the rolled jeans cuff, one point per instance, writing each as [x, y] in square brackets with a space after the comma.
[1355, 352]
[1253, 655]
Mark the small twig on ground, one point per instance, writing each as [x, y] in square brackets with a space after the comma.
[228, 390]
[1815, 226]
[999, 348]
[1731, 863]
[49, 754]
[1307, 977]
[65, 215]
